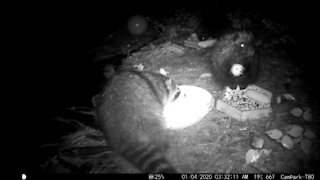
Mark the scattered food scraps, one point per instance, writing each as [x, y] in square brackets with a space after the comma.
[240, 100]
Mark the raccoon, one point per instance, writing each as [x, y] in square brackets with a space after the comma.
[129, 112]
[234, 61]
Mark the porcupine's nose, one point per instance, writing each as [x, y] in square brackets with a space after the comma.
[237, 69]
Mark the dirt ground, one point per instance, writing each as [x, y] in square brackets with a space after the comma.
[219, 143]
[216, 144]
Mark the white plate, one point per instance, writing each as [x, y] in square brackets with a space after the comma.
[190, 107]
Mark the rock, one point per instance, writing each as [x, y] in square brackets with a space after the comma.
[287, 142]
[306, 145]
[309, 134]
[205, 75]
[294, 130]
[297, 112]
[307, 116]
[288, 97]
[257, 142]
[274, 134]
[252, 156]
[194, 37]
[207, 43]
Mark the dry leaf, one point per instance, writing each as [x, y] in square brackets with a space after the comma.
[307, 116]
[287, 142]
[257, 142]
[297, 112]
[274, 134]
[306, 145]
[252, 156]
[294, 130]
[309, 134]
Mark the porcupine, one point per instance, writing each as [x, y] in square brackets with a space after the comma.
[234, 61]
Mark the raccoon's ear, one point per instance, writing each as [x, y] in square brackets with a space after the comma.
[95, 100]
[163, 72]
[109, 71]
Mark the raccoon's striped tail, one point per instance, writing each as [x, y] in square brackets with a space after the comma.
[149, 159]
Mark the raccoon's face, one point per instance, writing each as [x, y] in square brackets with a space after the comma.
[173, 90]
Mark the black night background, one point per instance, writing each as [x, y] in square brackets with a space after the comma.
[72, 45]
